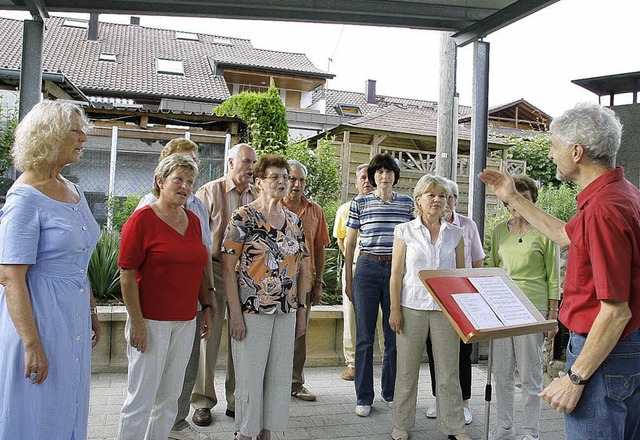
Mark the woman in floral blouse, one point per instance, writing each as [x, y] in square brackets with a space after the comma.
[262, 253]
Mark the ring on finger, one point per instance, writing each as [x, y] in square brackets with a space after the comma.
[33, 375]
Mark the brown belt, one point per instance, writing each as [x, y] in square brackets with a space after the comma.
[375, 257]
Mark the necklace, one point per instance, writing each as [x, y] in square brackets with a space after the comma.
[279, 211]
[520, 232]
[180, 216]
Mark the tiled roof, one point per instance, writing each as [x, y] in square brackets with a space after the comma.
[392, 119]
[335, 98]
[66, 49]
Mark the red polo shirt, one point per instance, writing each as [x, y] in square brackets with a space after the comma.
[604, 255]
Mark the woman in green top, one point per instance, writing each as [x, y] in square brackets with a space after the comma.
[532, 261]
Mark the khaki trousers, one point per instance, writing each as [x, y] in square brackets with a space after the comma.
[410, 343]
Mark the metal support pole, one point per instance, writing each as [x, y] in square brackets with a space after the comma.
[479, 132]
[112, 174]
[227, 147]
[487, 392]
[31, 68]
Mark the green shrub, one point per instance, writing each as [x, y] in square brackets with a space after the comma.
[8, 124]
[559, 201]
[122, 209]
[103, 270]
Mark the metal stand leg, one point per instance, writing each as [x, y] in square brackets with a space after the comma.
[487, 393]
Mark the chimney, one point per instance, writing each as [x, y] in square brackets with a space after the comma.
[92, 31]
[370, 91]
[135, 21]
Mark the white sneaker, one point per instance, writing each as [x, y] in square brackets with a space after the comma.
[500, 433]
[468, 416]
[431, 411]
[187, 433]
[363, 410]
[389, 403]
[527, 437]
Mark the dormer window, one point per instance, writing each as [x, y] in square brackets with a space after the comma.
[172, 67]
[222, 41]
[186, 36]
[69, 22]
[348, 110]
[107, 57]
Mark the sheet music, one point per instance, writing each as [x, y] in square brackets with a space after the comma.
[502, 300]
[477, 310]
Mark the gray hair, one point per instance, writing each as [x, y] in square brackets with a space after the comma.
[297, 164]
[596, 128]
[361, 167]
[168, 165]
[234, 152]
[426, 183]
[42, 132]
[453, 186]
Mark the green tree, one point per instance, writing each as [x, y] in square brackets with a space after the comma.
[264, 114]
[535, 151]
[8, 123]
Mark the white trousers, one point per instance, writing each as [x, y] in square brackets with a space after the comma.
[522, 353]
[155, 379]
[263, 363]
[411, 343]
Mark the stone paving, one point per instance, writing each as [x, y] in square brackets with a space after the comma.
[331, 416]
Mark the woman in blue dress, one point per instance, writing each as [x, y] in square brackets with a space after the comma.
[48, 322]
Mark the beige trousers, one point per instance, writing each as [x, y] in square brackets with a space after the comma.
[263, 368]
[411, 343]
[204, 391]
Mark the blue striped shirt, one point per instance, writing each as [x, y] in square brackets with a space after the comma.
[376, 219]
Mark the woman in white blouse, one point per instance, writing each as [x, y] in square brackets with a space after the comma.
[428, 242]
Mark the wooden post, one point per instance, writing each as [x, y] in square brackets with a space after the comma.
[446, 141]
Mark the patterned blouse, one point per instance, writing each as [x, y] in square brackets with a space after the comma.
[270, 259]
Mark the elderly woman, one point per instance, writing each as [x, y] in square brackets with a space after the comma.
[181, 428]
[532, 260]
[428, 242]
[162, 261]
[374, 215]
[263, 249]
[47, 311]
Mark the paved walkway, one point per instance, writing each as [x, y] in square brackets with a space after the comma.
[330, 417]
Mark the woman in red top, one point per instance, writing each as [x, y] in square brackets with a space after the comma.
[162, 262]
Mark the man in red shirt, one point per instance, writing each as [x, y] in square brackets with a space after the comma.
[600, 395]
[316, 237]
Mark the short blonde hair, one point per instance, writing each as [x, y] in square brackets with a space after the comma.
[168, 165]
[178, 144]
[427, 183]
[42, 132]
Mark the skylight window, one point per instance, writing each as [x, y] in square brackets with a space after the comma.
[173, 67]
[107, 57]
[349, 110]
[222, 41]
[186, 36]
[75, 23]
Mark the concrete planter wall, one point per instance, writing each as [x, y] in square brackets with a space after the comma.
[324, 339]
[324, 342]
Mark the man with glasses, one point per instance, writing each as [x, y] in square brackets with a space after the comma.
[221, 197]
[316, 238]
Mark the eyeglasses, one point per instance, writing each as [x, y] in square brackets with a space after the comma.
[276, 177]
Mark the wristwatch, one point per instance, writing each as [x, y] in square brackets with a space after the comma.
[575, 378]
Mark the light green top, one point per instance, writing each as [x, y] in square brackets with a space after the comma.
[534, 263]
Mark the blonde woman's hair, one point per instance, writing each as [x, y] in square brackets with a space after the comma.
[427, 183]
[168, 165]
[42, 132]
[178, 144]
